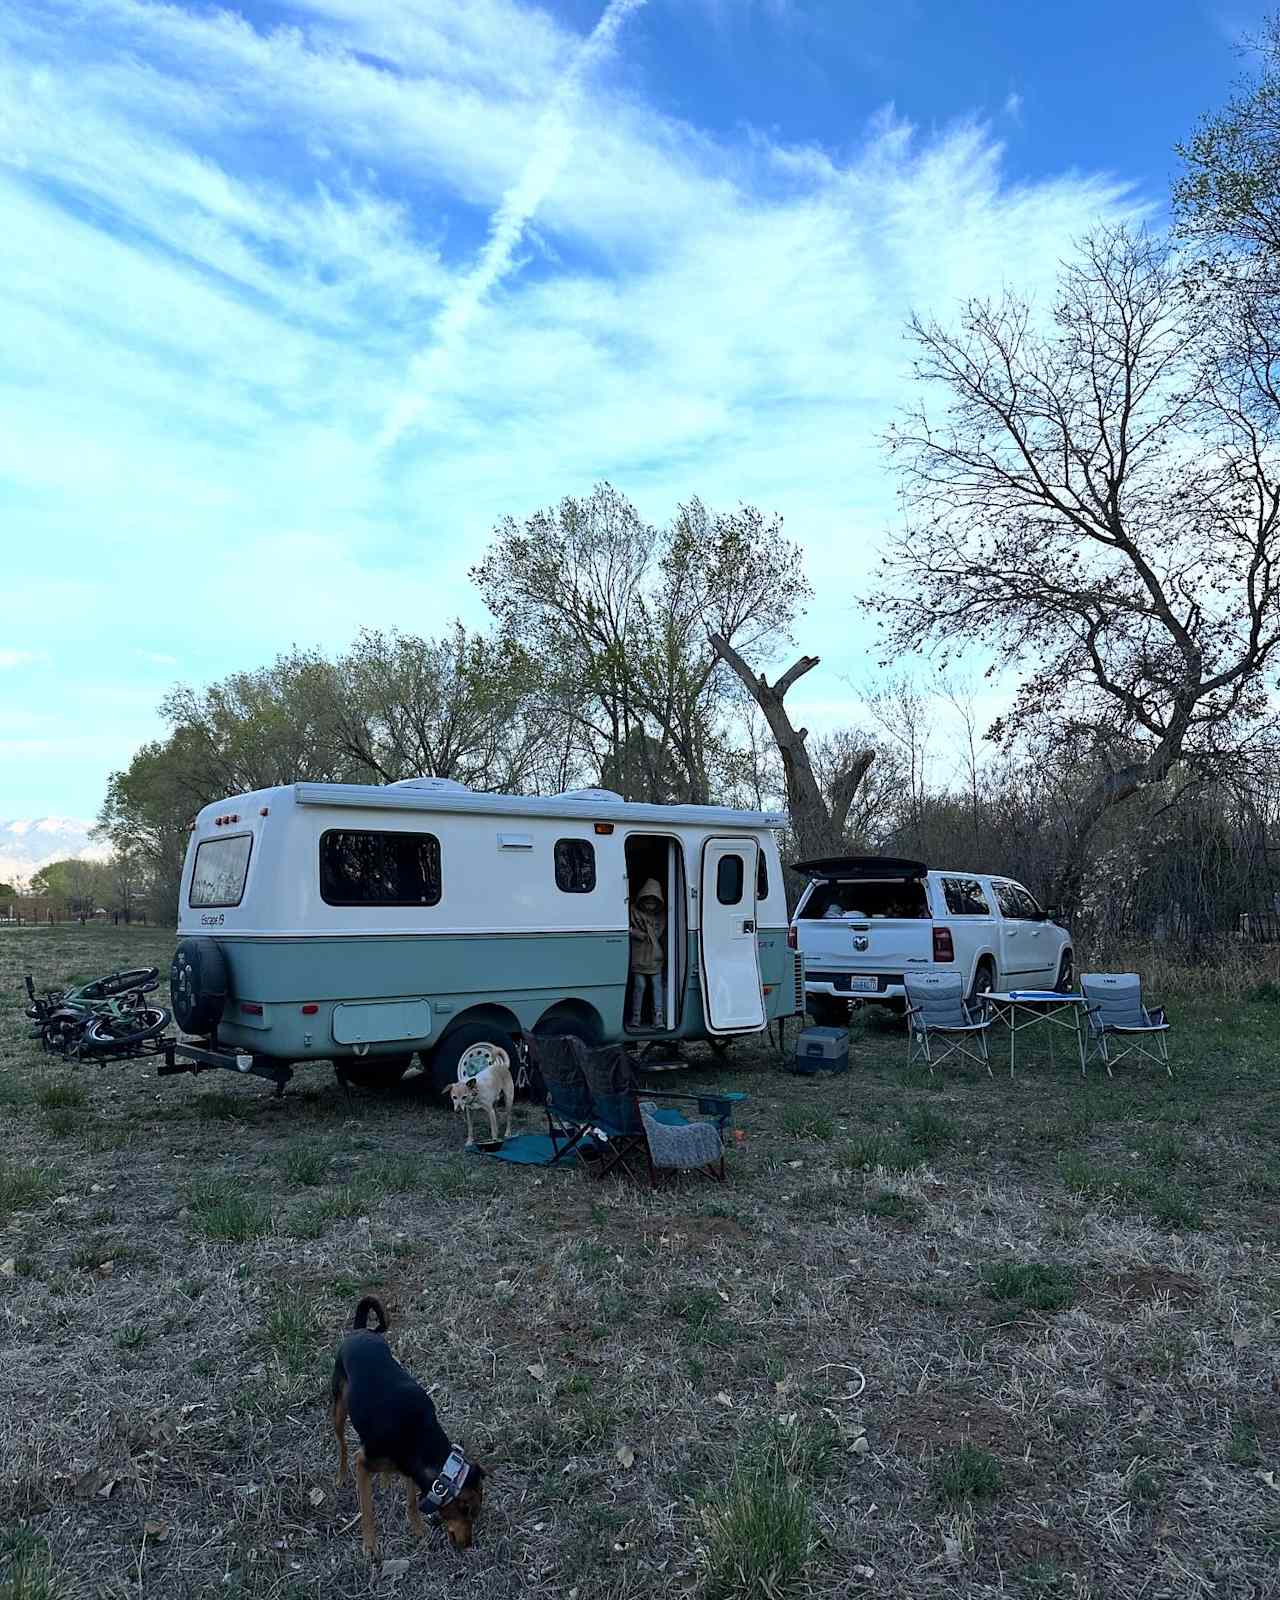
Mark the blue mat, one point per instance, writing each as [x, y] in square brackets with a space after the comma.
[526, 1150]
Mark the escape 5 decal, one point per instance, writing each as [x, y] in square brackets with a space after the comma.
[207, 921]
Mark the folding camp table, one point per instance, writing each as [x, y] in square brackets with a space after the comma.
[1039, 1006]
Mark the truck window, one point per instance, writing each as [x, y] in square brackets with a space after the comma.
[965, 898]
[221, 866]
[1015, 902]
[379, 869]
[899, 898]
[575, 866]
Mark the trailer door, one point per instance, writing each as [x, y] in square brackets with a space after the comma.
[729, 960]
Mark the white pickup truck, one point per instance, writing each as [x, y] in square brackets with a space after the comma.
[865, 921]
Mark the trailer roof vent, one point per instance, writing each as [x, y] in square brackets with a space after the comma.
[431, 785]
[604, 797]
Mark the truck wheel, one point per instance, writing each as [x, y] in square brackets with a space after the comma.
[372, 1072]
[198, 986]
[470, 1045]
[1066, 973]
[827, 1012]
[984, 980]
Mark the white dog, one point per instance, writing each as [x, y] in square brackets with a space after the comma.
[484, 1090]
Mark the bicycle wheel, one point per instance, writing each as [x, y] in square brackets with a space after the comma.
[126, 1030]
[61, 1033]
[143, 979]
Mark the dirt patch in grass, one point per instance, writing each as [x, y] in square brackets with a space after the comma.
[1142, 1284]
[927, 1424]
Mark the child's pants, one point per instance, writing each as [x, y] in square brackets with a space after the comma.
[640, 981]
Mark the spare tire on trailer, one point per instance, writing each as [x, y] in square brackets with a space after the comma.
[198, 985]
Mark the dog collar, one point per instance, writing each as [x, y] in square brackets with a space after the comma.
[448, 1484]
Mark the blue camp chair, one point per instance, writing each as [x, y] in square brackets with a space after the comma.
[1118, 1024]
[595, 1111]
[936, 1007]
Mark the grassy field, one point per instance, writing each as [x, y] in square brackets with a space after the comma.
[1062, 1298]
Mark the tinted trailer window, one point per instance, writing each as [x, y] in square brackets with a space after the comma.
[379, 869]
[901, 899]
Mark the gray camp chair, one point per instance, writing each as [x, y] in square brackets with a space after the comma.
[1115, 1016]
[936, 1007]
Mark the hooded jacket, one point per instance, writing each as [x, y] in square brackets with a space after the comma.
[648, 930]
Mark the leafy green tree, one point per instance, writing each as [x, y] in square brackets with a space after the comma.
[618, 617]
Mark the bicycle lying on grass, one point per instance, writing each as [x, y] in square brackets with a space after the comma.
[108, 1017]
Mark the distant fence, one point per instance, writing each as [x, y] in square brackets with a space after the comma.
[33, 910]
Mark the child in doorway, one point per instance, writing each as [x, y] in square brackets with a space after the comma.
[648, 954]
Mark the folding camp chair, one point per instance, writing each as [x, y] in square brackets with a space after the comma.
[1114, 1012]
[936, 1006]
[558, 1062]
[594, 1110]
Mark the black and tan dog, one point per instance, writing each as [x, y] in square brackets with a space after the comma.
[399, 1432]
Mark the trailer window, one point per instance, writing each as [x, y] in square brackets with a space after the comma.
[762, 878]
[379, 869]
[965, 897]
[221, 866]
[575, 866]
[729, 876]
[891, 898]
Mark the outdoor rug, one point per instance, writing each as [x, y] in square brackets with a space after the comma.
[526, 1150]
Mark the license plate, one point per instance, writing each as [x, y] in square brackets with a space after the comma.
[864, 985]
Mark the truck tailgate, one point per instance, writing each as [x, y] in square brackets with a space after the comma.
[847, 948]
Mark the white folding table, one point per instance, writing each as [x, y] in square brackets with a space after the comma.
[1037, 1006]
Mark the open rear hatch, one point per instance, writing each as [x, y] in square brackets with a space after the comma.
[864, 921]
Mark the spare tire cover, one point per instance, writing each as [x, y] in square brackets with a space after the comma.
[198, 985]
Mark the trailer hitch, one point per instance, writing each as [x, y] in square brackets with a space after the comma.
[180, 1057]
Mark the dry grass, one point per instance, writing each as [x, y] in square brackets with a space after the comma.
[1062, 1298]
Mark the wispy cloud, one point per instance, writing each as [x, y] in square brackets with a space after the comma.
[552, 142]
[16, 658]
[223, 243]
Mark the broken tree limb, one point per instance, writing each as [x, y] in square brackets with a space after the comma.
[819, 828]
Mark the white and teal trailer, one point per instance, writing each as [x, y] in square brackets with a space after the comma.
[364, 924]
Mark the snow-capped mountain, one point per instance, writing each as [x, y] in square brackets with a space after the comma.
[29, 843]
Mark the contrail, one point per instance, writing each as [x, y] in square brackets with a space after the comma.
[552, 145]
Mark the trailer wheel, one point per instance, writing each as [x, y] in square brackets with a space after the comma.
[198, 985]
[470, 1044]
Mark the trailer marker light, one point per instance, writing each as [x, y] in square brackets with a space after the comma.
[251, 1007]
[792, 940]
[264, 811]
[604, 827]
[310, 1010]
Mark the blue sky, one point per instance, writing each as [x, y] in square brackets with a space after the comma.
[299, 300]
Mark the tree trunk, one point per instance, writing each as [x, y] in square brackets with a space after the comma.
[819, 828]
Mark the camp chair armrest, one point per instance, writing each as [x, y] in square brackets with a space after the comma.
[1156, 1016]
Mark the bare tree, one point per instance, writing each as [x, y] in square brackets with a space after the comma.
[1098, 502]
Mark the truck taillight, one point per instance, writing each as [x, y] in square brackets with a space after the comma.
[791, 938]
[943, 948]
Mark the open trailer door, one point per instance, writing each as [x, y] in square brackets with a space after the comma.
[729, 961]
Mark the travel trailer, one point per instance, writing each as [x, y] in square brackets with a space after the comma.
[364, 924]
